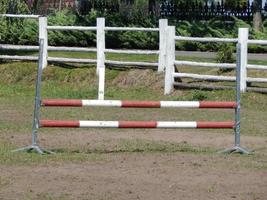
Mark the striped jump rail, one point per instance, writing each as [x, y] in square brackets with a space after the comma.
[137, 104]
[136, 124]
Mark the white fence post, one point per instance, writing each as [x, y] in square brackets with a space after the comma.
[163, 24]
[101, 83]
[170, 60]
[101, 57]
[243, 41]
[100, 37]
[43, 35]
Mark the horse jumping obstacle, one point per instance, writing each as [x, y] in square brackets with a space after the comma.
[37, 123]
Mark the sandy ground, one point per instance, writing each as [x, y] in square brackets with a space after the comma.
[143, 175]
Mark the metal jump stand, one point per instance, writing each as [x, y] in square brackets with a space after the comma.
[34, 146]
[237, 148]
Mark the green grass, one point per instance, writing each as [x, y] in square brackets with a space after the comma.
[94, 154]
[17, 84]
[17, 88]
[8, 157]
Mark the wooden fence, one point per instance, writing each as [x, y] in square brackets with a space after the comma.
[166, 53]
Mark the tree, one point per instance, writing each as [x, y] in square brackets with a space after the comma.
[151, 6]
[257, 15]
[13, 6]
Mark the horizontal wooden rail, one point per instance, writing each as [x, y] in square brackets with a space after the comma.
[259, 42]
[113, 62]
[20, 16]
[204, 77]
[72, 28]
[199, 39]
[203, 64]
[131, 29]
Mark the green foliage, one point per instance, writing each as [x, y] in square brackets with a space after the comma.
[234, 3]
[225, 54]
[68, 38]
[19, 31]
[11, 29]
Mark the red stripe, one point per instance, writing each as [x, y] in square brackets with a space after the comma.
[215, 125]
[125, 124]
[62, 102]
[213, 104]
[54, 123]
[140, 104]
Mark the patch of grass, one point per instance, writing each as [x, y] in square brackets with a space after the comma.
[23, 158]
[96, 154]
[257, 62]
[18, 94]
[148, 146]
[29, 195]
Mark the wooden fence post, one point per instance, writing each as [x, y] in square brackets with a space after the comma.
[243, 41]
[101, 57]
[163, 24]
[170, 60]
[43, 35]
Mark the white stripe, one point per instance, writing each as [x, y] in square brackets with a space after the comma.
[101, 103]
[179, 104]
[95, 124]
[177, 125]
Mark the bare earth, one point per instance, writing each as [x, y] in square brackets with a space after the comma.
[132, 175]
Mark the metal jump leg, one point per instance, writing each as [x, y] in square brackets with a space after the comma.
[34, 146]
[237, 148]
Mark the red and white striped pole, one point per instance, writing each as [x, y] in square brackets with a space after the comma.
[138, 104]
[136, 124]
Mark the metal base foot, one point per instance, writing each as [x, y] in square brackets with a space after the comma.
[34, 148]
[236, 149]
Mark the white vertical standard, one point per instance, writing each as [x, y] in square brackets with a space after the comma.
[43, 35]
[163, 24]
[170, 59]
[100, 37]
[243, 41]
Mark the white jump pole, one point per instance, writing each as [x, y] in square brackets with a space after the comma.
[43, 36]
[100, 37]
[243, 41]
[170, 59]
[163, 24]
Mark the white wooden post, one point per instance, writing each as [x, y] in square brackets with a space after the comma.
[101, 57]
[101, 83]
[163, 24]
[100, 37]
[243, 41]
[170, 60]
[43, 35]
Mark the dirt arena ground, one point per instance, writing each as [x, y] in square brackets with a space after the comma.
[137, 164]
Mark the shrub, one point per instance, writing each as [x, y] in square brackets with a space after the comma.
[225, 55]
